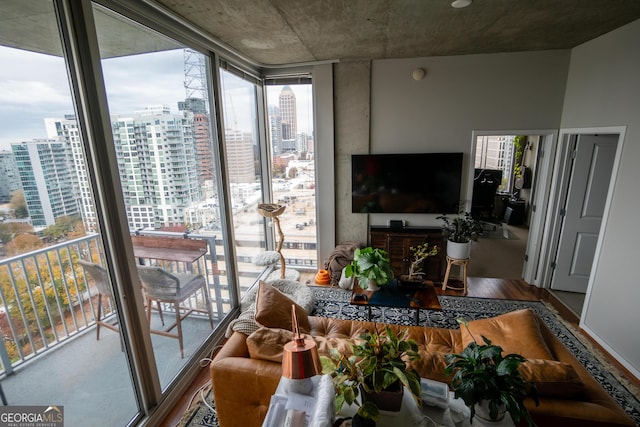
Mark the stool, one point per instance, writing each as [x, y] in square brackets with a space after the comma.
[463, 267]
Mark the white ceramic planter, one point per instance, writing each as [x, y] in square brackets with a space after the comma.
[458, 250]
[483, 414]
[373, 286]
[345, 282]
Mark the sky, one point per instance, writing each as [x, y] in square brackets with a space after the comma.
[35, 86]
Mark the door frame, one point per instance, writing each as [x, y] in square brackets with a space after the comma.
[561, 175]
[531, 272]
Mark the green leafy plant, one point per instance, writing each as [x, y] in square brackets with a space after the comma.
[370, 264]
[379, 362]
[482, 373]
[461, 229]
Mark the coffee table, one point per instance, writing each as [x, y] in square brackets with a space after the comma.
[394, 295]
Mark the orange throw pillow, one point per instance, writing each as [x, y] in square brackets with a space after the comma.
[273, 309]
[552, 378]
[516, 332]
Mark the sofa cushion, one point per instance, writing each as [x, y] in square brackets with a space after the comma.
[268, 343]
[552, 378]
[516, 332]
[273, 309]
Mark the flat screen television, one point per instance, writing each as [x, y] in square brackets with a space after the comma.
[406, 183]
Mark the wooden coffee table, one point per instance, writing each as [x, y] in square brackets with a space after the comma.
[392, 295]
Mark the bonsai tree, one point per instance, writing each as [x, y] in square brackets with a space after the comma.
[379, 362]
[482, 373]
[461, 229]
[371, 266]
[418, 255]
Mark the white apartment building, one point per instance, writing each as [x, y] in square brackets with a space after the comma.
[67, 130]
[156, 160]
[47, 180]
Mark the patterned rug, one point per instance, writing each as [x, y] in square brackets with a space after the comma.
[334, 302]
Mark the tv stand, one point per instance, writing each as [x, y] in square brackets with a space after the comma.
[398, 241]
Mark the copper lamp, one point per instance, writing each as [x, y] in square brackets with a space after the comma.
[300, 360]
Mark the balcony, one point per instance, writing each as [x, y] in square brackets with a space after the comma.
[50, 354]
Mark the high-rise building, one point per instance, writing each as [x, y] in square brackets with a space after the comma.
[275, 130]
[49, 184]
[288, 113]
[157, 164]
[156, 158]
[10, 181]
[67, 130]
[202, 138]
[240, 157]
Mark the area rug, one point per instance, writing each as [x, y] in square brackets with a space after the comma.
[334, 302]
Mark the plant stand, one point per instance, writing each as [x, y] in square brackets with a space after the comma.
[273, 211]
[463, 263]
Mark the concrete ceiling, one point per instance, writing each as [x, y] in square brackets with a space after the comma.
[290, 31]
[276, 32]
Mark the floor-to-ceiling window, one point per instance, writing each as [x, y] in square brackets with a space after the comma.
[177, 172]
[293, 172]
[161, 124]
[51, 353]
[243, 170]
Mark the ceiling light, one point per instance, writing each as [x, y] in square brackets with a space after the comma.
[458, 4]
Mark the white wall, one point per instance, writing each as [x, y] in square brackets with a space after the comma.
[603, 89]
[459, 95]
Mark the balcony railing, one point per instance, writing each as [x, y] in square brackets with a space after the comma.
[45, 299]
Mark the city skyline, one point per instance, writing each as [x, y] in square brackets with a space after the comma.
[28, 95]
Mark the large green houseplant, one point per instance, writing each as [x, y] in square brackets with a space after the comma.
[460, 231]
[371, 266]
[379, 362]
[483, 378]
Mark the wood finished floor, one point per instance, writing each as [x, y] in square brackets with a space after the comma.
[477, 288]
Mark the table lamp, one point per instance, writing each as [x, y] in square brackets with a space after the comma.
[300, 361]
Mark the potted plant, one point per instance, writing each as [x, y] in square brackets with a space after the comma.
[418, 255]
[375, 374]
[371, 266]
[461, 230]
[489, 383]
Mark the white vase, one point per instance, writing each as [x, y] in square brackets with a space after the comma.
[373, 286]
[458, 250]
[345, 282]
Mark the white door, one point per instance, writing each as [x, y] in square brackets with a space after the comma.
[591, 168]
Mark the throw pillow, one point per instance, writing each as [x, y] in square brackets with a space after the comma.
[273, 309]
[552, 378]
[516, 332]
[268, 343]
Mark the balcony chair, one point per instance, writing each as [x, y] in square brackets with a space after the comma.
[173, 288]
[100, 279]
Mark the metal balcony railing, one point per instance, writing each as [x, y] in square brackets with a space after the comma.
[45, 299]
